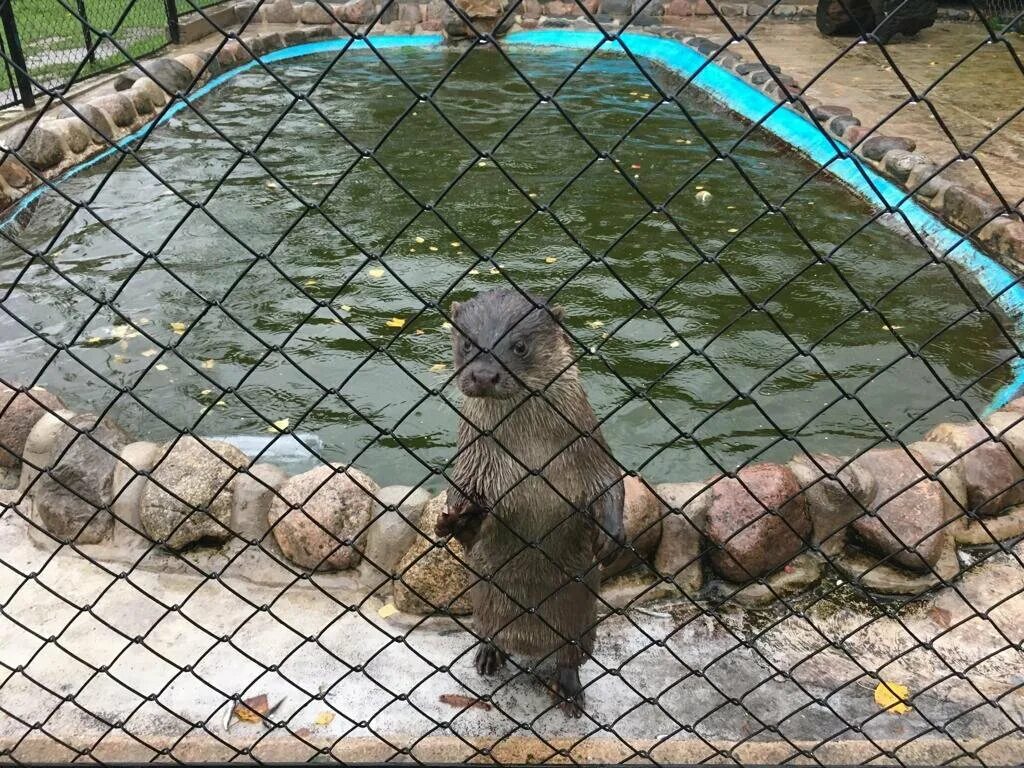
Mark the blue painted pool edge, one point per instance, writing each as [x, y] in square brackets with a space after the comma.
[722, 85]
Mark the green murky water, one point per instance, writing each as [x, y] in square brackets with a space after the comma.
[716, 328]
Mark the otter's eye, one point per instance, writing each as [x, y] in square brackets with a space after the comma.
[519, 347]
[467, 345]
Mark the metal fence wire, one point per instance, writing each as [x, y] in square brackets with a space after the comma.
[127, 637]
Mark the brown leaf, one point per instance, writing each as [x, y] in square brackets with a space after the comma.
[252, 710]
[303, 733]
[940, 616]
[458, 700]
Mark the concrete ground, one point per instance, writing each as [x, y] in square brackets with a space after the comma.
[125, 661]
[968, 93]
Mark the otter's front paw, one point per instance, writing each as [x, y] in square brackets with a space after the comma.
[488, 659]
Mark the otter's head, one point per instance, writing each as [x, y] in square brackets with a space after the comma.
[506, 343]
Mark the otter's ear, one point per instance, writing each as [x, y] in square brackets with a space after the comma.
[557, 312]
[454, 310]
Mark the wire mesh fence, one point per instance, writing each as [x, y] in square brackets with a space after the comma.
[587, 389]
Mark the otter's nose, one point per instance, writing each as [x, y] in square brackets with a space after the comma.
[485, 378]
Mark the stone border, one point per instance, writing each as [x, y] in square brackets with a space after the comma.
[89, 125]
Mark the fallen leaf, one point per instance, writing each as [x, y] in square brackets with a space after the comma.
[178, 328]
[733, 230]
[595, 324]
[432, 248]
[160, 367]
[446, 325]
[149, 353]
[278, 426]
[473, 272]
[395, 322]
[940, 616]
[456, 244]
[493, 271]
[94, 340]
[674, 343]
[436, 367]
[376, 272]
[551, 259]
[303, 733]
[252, 710]
[482, 164]
[208, 364]
[324, 718]
[420, 331]
[345, 308]
[420, 240]
[311, 281]
[891, 697]
[206, 392]
[635, 166]
[387, 610]
[120, 359]
[458, 700]
[221, 403]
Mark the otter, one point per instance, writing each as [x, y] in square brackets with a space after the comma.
[535, 497]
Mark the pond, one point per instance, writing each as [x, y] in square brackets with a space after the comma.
[754, 306]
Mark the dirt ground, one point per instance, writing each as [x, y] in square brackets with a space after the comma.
[956, 91]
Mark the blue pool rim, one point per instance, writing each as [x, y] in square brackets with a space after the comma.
[739, 96]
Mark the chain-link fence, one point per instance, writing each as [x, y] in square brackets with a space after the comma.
[513, 382]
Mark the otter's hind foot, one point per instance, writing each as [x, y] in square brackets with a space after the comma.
[568, 691]
[488, 659]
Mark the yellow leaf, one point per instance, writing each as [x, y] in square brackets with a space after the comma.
[438, 367]
[161, 367]
[674, 343]
[387, 610]
[433, 248]
[395, 322]
[551, 259]
[120, 359]
[149, 353]
[473, 272]
[208, 364]
[324, 718]
[345, 308]
[446, 325]
[456, 244]
[278, 426]
[493, 271]
[595, 324]
[178, 328]
[733, 230]
[420, 240]
[253, 709]
[482, 164]
[221, 403]
[376, 272]
[205, 392]
[93, 340]
[891, 697]
[311, 281]
[420, 331]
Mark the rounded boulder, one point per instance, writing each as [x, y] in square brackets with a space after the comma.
[188, 498]
[19, 412]
[320, 518]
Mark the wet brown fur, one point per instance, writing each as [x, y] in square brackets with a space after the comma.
[499, 510]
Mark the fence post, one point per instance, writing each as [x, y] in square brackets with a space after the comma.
[17, 54]
[172, 20]
[90, 54]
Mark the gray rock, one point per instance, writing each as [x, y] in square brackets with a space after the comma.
[433, 578]
[409, 13]
[990, 530]
[314, 13]
[993, 477]
[72, 497]
[171, 75]
[753, 66]
[15, 173]
[141, 100]
[320, 518]
[118, 107]
[42, 149]
[926, 180]
[864, 570]
[756, 534]
[189, 496]
[909, 516]
[967, 208]
[279, 12]
[838, 125]
[682, 534]
[393, 532]
[825, 112]
[255, 491]
[356, 12]
[244, 11]
[101, 129]
[833, 505]
[127, 485]
[899, 163]
[798, 575]
[39, 446]
[875, 147]
[19, 412]
[77, 135]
